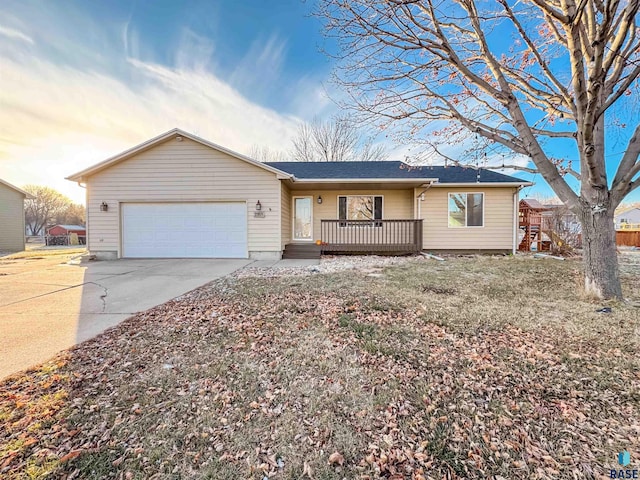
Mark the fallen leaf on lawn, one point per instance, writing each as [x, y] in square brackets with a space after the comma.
[336, 457]
[8, 460]
[71, 455]
[306, 470]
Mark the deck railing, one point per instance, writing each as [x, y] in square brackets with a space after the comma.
[628, 226]
[371, 236]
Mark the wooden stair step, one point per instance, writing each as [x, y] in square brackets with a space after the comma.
[301, 251]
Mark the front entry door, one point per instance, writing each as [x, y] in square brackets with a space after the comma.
[302, 218]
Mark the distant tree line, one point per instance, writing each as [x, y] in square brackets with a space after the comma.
[49, 207]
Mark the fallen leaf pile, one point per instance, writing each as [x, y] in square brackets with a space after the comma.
[323, 377]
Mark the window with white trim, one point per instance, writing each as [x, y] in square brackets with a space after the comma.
[360, 207]
[466, 210]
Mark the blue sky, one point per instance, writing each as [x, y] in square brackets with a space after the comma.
[83, 80]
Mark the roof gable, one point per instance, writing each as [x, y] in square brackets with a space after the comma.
[13, 187]
[627, 211]
[532, 203]
[171, 134]
[387, 170]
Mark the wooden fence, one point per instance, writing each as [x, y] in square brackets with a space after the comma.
[628, 238]
[70, 239]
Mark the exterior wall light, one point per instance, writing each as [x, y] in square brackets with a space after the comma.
[258, 206]
[104, 207]
[319, 199]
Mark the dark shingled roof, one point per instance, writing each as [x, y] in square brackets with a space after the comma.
[387, 170]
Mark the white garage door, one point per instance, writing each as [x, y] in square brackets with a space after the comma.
[184, 230]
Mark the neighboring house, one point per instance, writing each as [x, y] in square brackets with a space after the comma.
[66, 235]
[629, 218]
[67, 229]
[180, 196]
[560, 213]
[12, 217]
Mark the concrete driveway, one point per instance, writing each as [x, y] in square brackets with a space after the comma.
[47, 306]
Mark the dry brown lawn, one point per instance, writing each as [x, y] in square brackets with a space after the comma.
[34, 253]
[470, 368]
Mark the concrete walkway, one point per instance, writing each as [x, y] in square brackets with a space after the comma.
[47, 306]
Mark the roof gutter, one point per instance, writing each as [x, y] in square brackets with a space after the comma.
[432, 182]
[485, 184]
[363, 180]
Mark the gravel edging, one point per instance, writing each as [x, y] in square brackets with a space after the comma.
[328, 264]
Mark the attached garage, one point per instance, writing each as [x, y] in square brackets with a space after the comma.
[184, 230]
[179, 196]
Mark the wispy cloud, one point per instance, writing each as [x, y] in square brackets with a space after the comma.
[96, 88]
[261, 66]
[59, 118]
[15, 35]
[194, 52]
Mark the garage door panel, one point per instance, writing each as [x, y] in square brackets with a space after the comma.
[184, 230]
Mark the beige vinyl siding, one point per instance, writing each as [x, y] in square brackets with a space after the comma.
[496, 234]
[285, 202]
[396, 204]
[184, 171]
[11, 219]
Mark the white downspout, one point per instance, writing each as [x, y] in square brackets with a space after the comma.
[86, 215]
[515, 219]
[420, 198]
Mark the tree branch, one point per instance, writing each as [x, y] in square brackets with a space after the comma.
[544, 6]
[629, 159]
[621, 90]
[536, 53]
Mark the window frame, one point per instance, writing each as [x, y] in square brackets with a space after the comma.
[484, 207]
[376, 222]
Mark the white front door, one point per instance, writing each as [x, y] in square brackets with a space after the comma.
[303, 218]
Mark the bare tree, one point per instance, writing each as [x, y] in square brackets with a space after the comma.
[524, 75]
[561, 226]
[266, 154]
[334, 141]
[73, 214]
[547, 199]
[44, 209]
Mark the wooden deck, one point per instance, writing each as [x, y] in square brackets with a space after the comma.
[371, 236]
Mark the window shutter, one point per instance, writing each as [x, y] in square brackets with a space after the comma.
[377, 208]
[342, 208]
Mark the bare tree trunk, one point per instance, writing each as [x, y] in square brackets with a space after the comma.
[601, 276]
